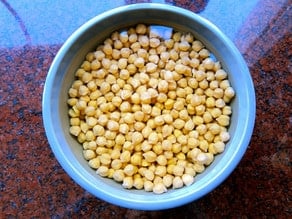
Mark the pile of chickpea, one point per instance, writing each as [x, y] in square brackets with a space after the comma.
[150, 111]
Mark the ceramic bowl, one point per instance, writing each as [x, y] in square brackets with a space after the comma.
[61, 75]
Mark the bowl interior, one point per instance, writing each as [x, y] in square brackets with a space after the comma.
[61, 75]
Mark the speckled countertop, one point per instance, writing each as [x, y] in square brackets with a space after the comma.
[33, 184]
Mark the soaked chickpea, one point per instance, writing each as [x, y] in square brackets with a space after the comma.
[150, 112]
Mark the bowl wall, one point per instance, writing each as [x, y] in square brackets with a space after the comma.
[61, 75]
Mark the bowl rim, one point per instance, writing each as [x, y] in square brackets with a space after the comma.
[60, 154]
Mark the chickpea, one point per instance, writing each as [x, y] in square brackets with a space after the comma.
[128, 182]
[118, 175]
[148, 186]
[187, 179]
[223, 120]
[160, 171]
[125, 156]
[150, 156]
[178, 170]
[137, 138]
[105, 159]
[133, 37]
[159, 188]
[177, 182]
[204, 53]
[113, 125]
[89, 154]
[154, 42]
[178, 123]
[153, 138]
[103, 171]
[101, 141]
[75, 130]
[151, 67]
[94, 163]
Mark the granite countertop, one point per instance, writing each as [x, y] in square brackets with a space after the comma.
[34, 185]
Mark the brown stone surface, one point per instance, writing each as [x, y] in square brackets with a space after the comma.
[32, 183]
